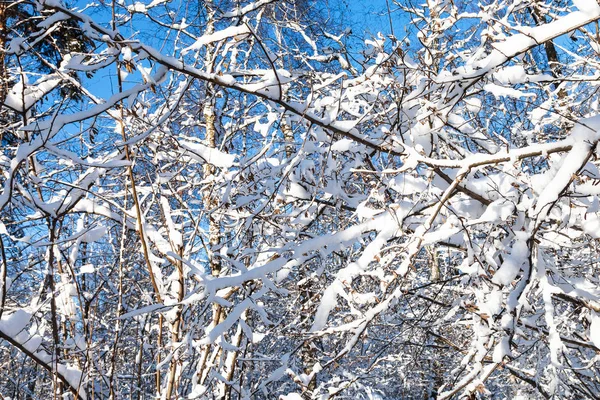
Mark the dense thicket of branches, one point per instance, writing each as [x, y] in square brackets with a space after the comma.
[245, 200]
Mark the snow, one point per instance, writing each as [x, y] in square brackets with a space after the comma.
[501, 350]
[511, 75]
[323, 248]
[212, 334]
[291, 396]
[53, 19]
[363, 211]
[237, 32]
[343, 145]
[203, 153]
[247, 9]
[94, 234]
[547, 289]
[270, 84]
[499, 91]
[297, 191]
[49, 128]
[587, 6]
[531, 37]
[22, 97]
[498, 211]
[407, 184]
[387, 228]
[52, 3]
[174, 233]
[595, 329]
[441, 234]
[73, 376]
[591, 225]
[33, 343]
[512, 263]
[328, 303]
[142, 311]
[493, 305]
[87, 269]
[473, 104]
[16, 45]
[137, 7]
[12, 324]
[586, 136]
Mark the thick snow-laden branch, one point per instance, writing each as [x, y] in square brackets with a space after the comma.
[22, 96]
[228, 81]
[238, 31]
[527, 40]
[13, 330]
[324, 245]
[585, 136]
[389, 227]
[47, 129]
[247, 9]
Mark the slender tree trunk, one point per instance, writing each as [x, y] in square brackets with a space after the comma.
[3, 72]
[58, 385]
[231, 360]
[176, 327]
[550, 50]
[288, 136]
[210, 200]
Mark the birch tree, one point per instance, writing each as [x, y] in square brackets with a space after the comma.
[236, 200]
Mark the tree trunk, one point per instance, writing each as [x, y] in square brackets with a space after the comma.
[3, 72]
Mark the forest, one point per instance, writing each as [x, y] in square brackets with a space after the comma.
[263, 199]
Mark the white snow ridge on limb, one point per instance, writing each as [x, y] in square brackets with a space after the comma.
[209, 155]
[13, 330]
[236, 32]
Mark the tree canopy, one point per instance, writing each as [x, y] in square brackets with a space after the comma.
[250, 200]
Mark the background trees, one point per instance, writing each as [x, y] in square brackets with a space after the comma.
[235, 200]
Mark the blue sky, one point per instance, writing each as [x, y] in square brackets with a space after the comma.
[365, 17]
[371, 16]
